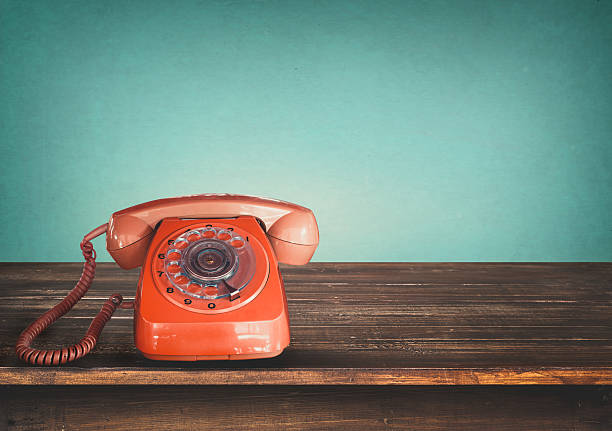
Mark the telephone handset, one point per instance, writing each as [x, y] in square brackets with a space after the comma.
[210, 286]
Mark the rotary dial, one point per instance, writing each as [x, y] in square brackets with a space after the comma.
[210, 263]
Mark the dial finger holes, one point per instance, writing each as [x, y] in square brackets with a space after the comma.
[193, 236]
[209, 232]
[210, 290]
[181, 279]
[194, 288]
[173, 268]
[174, 255]
[224, 235]
[237, 242]
[181, 244]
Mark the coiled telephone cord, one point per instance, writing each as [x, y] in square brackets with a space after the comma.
[88, 342]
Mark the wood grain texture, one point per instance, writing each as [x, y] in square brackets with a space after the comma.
[353, 323]
[499, 408]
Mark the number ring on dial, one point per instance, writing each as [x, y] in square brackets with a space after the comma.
[235, 286]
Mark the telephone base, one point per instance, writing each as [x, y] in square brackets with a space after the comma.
[213, 357]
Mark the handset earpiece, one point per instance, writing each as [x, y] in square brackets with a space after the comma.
[294, 237]
[128, 240]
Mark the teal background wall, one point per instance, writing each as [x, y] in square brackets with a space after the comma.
[417, 131]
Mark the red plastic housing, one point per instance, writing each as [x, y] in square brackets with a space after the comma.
[172, 325]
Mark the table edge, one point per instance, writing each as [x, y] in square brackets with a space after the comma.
[307, 376]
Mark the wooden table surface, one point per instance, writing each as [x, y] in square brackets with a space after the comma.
[352, 323]
[499, 346]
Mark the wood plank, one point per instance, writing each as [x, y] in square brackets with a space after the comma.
[301, 376]
[306, 408]
[411, 323]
